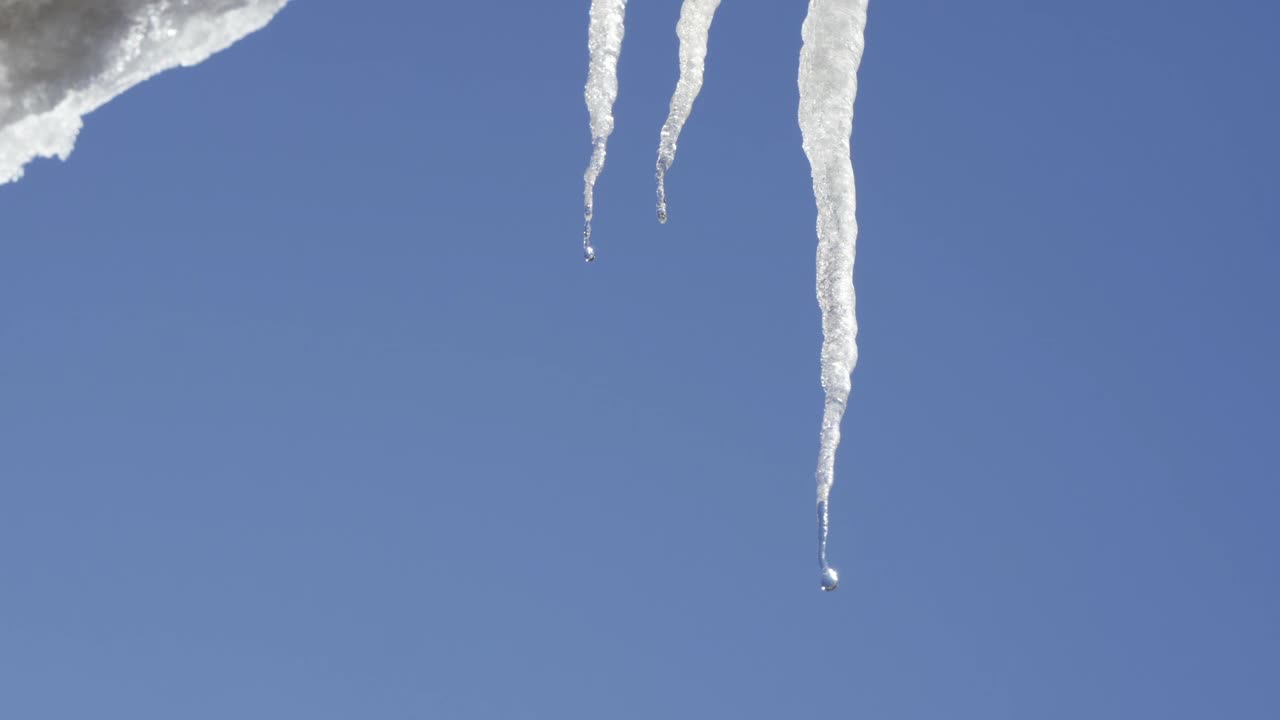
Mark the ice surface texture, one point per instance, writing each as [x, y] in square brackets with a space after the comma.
[62, 59]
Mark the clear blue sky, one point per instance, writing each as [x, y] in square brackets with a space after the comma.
[310, 409]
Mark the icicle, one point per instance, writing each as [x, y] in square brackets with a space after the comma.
[694, 25]
[828, 82]
[605, 44]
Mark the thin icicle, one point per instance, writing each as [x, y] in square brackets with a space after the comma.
[694, 25]
[829, 59]
[605, 44]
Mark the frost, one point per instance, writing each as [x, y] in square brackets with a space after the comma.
[62, 59]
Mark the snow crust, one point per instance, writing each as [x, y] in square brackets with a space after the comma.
[62, 59]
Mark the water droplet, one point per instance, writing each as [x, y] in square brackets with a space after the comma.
[830, 578]
[589, 254]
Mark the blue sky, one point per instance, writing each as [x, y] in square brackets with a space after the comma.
[309, 408]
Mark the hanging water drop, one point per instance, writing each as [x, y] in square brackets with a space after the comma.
[830, 578]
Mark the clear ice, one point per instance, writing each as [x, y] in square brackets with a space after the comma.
[604, 44]
[693, 28]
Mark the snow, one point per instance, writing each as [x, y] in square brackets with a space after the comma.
[693, 28]
[829, 59]
[62, 59]
[604, 43]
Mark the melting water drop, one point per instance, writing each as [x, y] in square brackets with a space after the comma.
[830, 578]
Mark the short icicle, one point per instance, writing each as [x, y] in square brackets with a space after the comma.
[604, 44]
[692, 29]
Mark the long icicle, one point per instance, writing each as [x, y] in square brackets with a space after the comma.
[604, 44]
[692, 29]
[829, 59]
